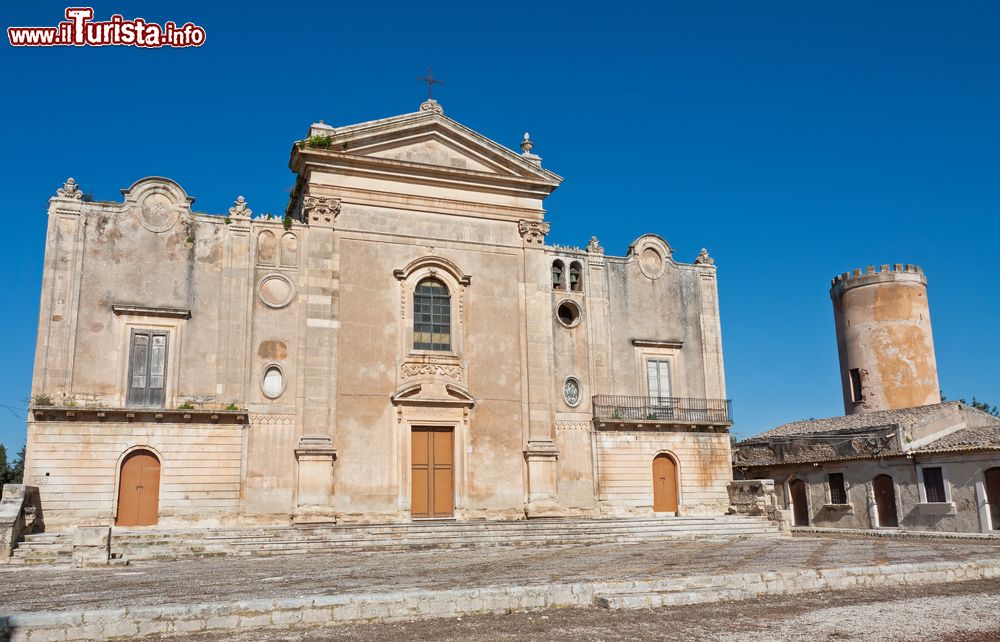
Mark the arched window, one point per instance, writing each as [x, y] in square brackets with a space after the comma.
[557, 275]
[575, 278]
[431, 316]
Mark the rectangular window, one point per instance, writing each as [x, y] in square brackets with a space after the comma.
[934, 485]
[856, 394]
[838, 491]
[147, 368]
[658, 385]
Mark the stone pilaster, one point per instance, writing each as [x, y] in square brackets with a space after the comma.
[63, 253]
[711, 327]
[236, 308]
[540, 453]
[318, 396]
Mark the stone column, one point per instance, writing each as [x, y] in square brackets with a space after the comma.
[540, 454]
[711, 327]
[318, 397]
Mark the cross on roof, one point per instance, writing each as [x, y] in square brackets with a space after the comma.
[431, 81]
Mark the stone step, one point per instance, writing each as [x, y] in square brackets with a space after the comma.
[293, 536]
[156, 544]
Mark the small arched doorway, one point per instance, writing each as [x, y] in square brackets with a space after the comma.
[800, 503]
[139, 489]
[993, 496]
[664, 484]
[885, 501]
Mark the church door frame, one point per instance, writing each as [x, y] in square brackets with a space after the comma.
[668, 456]
[151, 497]
[435, 464]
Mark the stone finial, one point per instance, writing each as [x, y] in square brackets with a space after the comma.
[594, 247]
[240, 209]
[432, 105]
[70, 190]
[526, 144]
[704, 258]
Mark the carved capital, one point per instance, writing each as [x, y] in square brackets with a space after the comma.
[320, 210]
[533, 232]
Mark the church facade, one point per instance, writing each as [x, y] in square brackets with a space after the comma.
[400, 344]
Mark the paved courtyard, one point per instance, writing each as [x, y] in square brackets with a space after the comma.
[24, 589]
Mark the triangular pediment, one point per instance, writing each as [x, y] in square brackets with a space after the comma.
[429, 140]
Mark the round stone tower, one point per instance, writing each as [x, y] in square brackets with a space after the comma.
[884, 339]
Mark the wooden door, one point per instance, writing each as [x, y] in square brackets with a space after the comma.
[800, 503]
[664, 484]
[993, 496]
[885, 500]
[139, 489]
[432, 475]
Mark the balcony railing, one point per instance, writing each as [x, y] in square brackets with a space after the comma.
[662, 409]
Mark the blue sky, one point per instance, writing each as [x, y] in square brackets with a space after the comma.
[794, 140]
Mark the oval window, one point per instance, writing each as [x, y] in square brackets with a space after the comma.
[274, 382]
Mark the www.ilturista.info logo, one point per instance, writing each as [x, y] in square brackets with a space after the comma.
[80, 30]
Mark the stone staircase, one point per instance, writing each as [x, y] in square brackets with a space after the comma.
[169, 544]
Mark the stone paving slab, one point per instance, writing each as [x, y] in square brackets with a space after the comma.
[26, 589]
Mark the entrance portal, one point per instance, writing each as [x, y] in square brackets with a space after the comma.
[885, 500]
[432, 472]
[139, 489]
[664, 484]
[800, 503]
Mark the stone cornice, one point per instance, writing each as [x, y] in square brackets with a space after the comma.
[137, 415]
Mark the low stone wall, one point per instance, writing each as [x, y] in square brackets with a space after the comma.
[20, 515]
[757, 497]
[261, 615]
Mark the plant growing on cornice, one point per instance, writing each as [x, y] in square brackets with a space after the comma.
[232, 406]
[185, 406]
[227, 220]
[320, 142]
[287, 222]
[41, 399]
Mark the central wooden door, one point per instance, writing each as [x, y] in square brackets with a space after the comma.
[139, 489]
[432, 472]
[800, 503]
[993, 496]
[885, 500]
[664, 484]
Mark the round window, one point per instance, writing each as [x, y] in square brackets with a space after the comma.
[273, 383]
[571, 391]
[568, 313]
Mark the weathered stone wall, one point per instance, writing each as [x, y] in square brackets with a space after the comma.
[966, 510]
[76, 464]
[625, 460]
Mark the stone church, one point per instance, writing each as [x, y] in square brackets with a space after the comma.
[399, 344]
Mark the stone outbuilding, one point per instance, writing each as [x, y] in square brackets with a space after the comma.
[899, 457]
[400, 343]
[934, 467]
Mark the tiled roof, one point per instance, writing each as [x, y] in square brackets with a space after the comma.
[860, 421]
[981, 438]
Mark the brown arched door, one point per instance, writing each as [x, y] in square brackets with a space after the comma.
[664, 484]
[139, 489]
[993, 496]
[885, 500]
[800, 504]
